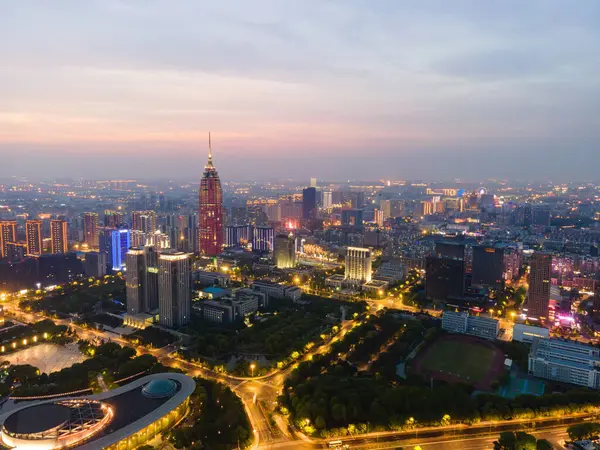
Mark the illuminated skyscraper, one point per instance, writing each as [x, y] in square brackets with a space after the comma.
[113, 218]
[33, 236]
[141, 280]
[211, 209]
[143, 221]
[539, 285]
[8, 235]
[174, 288]
[120, 241]
[58, 236]
[90, 229]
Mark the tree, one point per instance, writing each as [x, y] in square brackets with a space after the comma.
[581, 431]
[543, 444]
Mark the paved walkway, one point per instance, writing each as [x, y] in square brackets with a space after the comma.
[46, 357]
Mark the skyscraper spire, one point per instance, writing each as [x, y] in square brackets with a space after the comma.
[210, 163]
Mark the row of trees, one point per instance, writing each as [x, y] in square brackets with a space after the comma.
[217, 420]
[329, 396]
[521, 441]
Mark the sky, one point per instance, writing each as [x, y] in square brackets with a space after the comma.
[336, 89]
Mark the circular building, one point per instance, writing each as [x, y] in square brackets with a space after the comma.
[63, 423]
[121, 419]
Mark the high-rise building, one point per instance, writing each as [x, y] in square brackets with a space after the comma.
[113, 219]
[309, 202]
[141, 280]
[59, 236]
[211, 209]
[313, 182]
[262, 240]
[488, 266]
[33, 237]
[16, 251]
[539, 285]
[444, 249]
[378, 217]
[95, 264]
[174, 289]
[444, 277]
[284, 251]
[120, 241]
[90, 229]
[144, 221]
[327, 199]
[8, 235]
[358, 264]
[352, 218]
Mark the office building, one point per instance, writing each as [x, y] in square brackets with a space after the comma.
[141, 280]
[33, 237]
[539, 285]
[120, 241]
[313, 182]
[358, 265]
[527, 333]
[284, 252]
[95, 264]
[277, 290]
[211, 209]
[378, 217]
[444, 277]
[210, 278]
[262, 240]
[445, 249]
[463, 323]
[488, 266]
[309, 203]
[59, 236]
[90, 229]
[352, 218]
[238, 235]
[565, 361]
[174, 288]
[8, 235]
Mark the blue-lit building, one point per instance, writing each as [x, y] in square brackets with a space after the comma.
[120, 241]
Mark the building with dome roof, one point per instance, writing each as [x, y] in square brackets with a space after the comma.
[121, 419]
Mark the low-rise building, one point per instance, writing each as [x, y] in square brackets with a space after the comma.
[527, 333]
[377, 287]
[565, 361]
[211, 278]
[463, 323]
[277, 290]
[229, 310]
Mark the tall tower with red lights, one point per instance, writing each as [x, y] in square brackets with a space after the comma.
[211, 209]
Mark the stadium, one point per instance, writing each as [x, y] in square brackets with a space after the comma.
[120, 419]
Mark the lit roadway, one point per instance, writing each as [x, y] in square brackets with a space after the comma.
[259, 396]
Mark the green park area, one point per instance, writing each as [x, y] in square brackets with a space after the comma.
[469, 361]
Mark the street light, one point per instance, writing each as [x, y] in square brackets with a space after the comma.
[252, 366]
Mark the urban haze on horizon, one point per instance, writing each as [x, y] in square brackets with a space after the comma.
[337, 90]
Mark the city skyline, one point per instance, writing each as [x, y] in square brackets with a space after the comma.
[338, 90]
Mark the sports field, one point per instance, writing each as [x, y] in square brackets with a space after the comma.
[460, 358]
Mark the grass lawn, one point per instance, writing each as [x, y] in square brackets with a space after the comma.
[467, 360]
